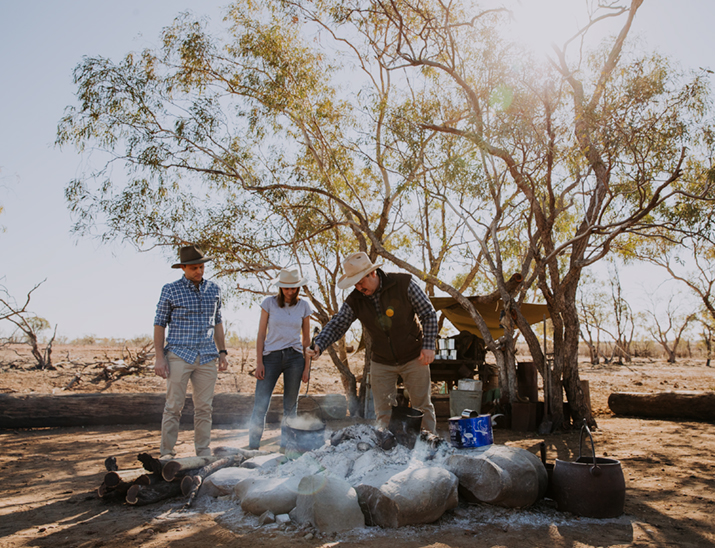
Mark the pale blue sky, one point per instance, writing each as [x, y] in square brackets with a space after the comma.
[111, 291]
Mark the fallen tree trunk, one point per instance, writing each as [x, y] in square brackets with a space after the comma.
[49, 410]
[681, 404]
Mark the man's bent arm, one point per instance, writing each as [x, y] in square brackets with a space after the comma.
[333, 330]
[427, 315]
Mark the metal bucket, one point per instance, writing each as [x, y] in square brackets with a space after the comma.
[405, 424]
[592, 487]
[303, 433]
[305, 430]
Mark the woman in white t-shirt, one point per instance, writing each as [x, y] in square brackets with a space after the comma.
[283, 335]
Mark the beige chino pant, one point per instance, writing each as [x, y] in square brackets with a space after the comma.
[203, 380]
[418, 383]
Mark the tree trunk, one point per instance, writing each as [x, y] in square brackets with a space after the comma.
[555, 403]
[681, 404]
[509, 357]
[363, 404]
[535, 346]
[348, 380]
[47, 410]
[593, 353]
[671, 354]
[506, 365]
[580, 410]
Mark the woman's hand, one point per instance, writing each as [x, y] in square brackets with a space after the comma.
[306, 375]
[260, 371]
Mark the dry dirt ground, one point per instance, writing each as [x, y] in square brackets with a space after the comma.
[50, 475]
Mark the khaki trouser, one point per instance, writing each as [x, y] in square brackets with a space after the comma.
[418, 383]
[203, 380]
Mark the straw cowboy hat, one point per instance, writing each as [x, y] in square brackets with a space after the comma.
[190, 255]
[356, 267]
[289, 278]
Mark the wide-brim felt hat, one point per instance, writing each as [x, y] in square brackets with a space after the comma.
[355, 268]
[289, 278]
[189, 255]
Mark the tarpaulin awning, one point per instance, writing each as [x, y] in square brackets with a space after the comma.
[461, 319]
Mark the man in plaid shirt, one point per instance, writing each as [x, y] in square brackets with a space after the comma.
[402, 324]
[191, 308]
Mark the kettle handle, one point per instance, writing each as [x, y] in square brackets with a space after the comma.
[595, 469]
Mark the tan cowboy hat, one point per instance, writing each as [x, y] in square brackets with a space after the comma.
[289, 278]
[356, 267]
[190, 255]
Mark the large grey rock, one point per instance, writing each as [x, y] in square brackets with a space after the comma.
[328, 503]
[505, 476]
[222, 482]
[275, 494]
[411, 496]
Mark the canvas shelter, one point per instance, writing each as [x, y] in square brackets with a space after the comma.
[491, 312]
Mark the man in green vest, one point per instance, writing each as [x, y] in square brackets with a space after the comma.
[402, 324]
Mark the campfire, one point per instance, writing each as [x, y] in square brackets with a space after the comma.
[360, 477]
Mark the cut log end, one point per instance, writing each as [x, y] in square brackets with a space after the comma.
[190, 484]
[133, 494]
[170, 470]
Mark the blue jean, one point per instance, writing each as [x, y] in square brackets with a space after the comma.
[290, 363]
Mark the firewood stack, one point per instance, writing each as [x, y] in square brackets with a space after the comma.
[158, 479]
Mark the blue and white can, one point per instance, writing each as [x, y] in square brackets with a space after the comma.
[476, 431]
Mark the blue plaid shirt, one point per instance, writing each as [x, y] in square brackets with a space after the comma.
[341, 322]
[191, 314]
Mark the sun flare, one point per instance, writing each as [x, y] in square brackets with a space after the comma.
[537, 24]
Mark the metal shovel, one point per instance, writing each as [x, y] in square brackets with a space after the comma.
[547, 425]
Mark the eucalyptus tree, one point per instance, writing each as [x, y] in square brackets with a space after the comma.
[593, 142]
[312, 128]
[668, 325]
[593, 315]
[688, 256]
[29, 324]
[254, 144]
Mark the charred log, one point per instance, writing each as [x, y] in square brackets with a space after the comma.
[140, 495]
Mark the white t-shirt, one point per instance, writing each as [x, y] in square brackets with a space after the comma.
[284, 324]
